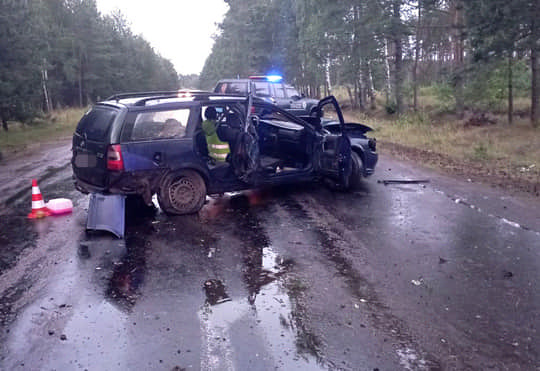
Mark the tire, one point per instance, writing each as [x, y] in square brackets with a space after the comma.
[355, 179]
[183, 192]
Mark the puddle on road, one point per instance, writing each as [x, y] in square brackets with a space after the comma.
[268, 304]
[123, 288]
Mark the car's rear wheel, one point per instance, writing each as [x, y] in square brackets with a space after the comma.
[357, 169]
[182, 192]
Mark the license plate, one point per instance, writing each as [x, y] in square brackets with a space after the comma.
[85, 160]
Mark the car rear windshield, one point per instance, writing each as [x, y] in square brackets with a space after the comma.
[95, 123]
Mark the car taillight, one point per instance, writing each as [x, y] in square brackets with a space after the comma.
[114, 158]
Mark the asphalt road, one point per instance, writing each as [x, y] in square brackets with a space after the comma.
[431, 276]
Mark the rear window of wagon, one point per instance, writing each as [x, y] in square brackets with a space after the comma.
[95, 124]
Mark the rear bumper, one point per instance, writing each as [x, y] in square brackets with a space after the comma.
[124, 183]
[86, 187]
[119, 183]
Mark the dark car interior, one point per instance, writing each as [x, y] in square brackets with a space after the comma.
[284, 143]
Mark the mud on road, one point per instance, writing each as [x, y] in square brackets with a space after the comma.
[435, 276]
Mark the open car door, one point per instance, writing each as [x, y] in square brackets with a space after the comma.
[246, 156]
[333, 151]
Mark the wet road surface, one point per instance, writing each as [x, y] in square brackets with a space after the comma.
[436, 276]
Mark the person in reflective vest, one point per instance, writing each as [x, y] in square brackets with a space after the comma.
[217, 150]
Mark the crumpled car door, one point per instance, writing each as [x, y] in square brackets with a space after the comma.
[246, 156]
[333, 151]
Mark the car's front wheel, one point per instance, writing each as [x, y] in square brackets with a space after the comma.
[183, 192]
[357, 169]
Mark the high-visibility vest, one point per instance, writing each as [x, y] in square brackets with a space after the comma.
[217, 149]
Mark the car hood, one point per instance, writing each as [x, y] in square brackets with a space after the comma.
[309, 100]
[348, 125]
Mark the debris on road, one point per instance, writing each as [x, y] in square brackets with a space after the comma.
[508, 274]
[59, 206]
[417, 282]
[526, 169]
[107, 212]
[403, 181]
[215, 292]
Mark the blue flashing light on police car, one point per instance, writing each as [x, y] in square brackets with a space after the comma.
[269, 78]
[274, 78]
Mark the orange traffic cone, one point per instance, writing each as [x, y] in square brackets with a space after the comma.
[38, 206]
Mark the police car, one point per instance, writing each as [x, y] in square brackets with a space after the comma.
[273, 89]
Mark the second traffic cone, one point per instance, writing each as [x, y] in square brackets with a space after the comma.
[38, 206]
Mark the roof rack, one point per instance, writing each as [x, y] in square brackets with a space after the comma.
[196, 95]
[141, 94]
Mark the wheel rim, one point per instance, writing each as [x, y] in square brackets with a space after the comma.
[183, 194]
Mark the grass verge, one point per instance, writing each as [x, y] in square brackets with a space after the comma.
[500, 154]
[56, 125]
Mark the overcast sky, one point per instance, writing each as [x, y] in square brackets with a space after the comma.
[179, 30]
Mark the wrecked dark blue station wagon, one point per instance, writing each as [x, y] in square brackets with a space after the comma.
[149, 143]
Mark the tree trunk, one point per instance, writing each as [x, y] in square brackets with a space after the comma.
[48, 105]
[360, 92]
[535, 37]
[327, 75]
[387, 72]
[398, 57]
[366, 93]
[357, 56]
[80, 82]
[371, 88]
[534, 86]
[510, 91]
[355, 93]
[416, 56]
[459, 38]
